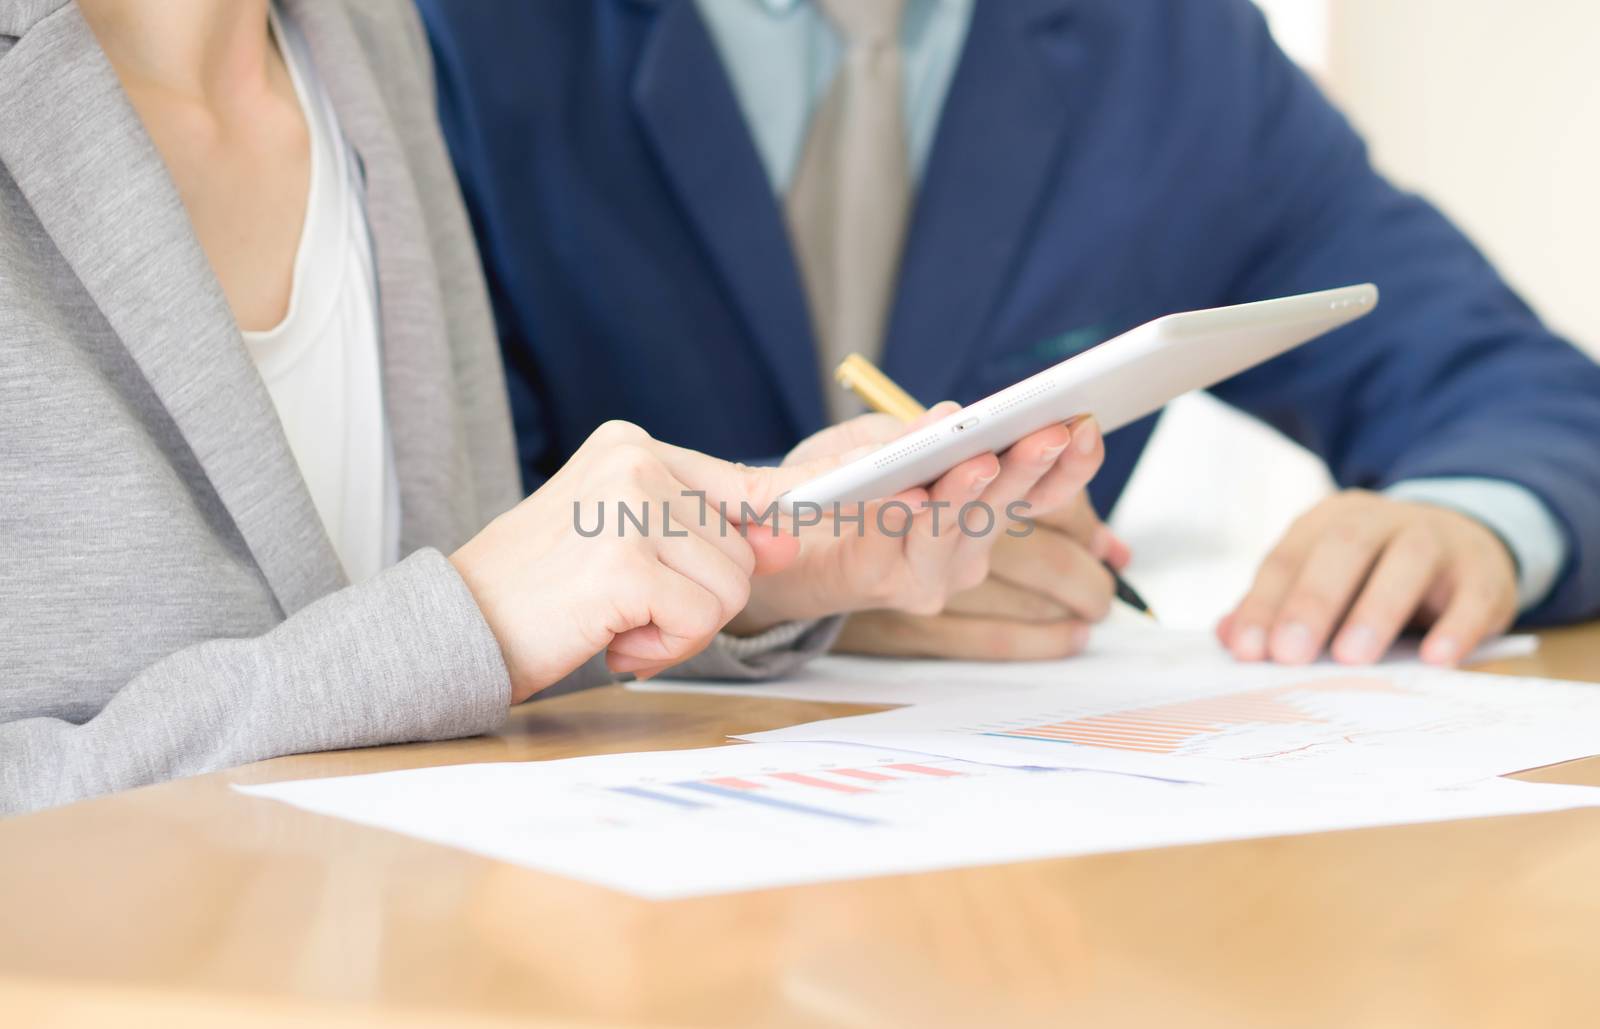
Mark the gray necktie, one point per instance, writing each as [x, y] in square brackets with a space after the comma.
[848, 204]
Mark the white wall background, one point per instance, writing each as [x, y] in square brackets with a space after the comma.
[1492, 109]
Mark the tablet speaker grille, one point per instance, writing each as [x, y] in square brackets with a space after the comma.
[901, 453]
[1022, 398]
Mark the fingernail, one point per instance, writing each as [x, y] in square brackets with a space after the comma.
[1086, 436]
[1250, 644]
[1441, 650]
[1291, 644]
[1079, 638]
[1101, 543]
[1357, 645]
[1049, 456]
[979, 485]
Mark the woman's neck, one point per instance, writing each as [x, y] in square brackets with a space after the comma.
[212, 51]
[219, 104]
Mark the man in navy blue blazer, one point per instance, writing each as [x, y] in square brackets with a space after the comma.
[1075, 168]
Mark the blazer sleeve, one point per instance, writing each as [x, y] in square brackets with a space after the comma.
[405, 656]
[1452, 375]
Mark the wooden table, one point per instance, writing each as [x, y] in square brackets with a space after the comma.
[188, 904]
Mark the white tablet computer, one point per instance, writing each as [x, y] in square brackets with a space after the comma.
[1119, 381]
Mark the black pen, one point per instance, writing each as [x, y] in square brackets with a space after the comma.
[1127, 594]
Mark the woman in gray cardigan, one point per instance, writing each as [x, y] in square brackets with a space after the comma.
[256, 465]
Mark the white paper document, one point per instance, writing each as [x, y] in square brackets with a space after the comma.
[1402, 726]
[1116, 648]
[685, 823]
[870, 680]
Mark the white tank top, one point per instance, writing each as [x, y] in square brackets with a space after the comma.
[322, 364]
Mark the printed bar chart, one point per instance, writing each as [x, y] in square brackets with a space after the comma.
[734, 782]
[1245, 724]
[805, 793]
[1168, 728]
[657, 796]
[777, 803]
[939, 773]
[687, 823]
[862, 773]
[802, 779]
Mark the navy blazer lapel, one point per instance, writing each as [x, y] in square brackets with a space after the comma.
[692, 118]
[998, 144]
[121, 226]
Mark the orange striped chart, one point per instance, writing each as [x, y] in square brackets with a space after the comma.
[1168, 728]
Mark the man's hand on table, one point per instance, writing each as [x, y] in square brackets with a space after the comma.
[1356, 570]
[1359, 568]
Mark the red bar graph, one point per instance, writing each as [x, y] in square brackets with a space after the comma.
[735, 783]
[862, 773]
[802, 779]
[943, 773]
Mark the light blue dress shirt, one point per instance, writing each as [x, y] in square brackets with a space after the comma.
[781, 56]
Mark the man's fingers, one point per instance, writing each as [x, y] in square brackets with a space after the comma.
[1259, 608]
[1477, 610]
[1058, 567]
[1334, 570]
[1407, 567]
[1080, 521]
[996, 598]
[890, 633]
[1224, 629]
